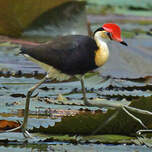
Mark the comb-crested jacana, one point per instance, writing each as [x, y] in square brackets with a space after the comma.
[71, 55]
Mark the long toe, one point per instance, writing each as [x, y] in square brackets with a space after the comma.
[26, 134]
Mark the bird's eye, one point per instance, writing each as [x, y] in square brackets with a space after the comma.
[109, 35]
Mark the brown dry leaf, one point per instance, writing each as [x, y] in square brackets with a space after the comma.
[7, 125]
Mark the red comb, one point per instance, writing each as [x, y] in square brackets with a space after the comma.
[114, 29]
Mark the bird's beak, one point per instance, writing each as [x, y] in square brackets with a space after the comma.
[116, 39]
[124, 43]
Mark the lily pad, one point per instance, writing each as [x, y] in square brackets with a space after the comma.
[60, 146]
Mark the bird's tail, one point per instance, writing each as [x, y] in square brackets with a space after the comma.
[21, 50]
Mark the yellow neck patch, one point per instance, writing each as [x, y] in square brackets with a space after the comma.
[101, 57]
[102, 54]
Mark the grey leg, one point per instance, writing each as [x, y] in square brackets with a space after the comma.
[31, 90]
[140, 132]
[84, 91]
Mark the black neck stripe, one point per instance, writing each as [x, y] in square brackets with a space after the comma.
[99, 29]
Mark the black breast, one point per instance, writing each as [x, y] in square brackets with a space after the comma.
[72, 54]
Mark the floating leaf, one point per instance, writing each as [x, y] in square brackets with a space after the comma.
[40, 142]
[36, 122]
[106, 139]
[124, 93]
[80, 124]
[18, 95]
[145, 104]
[60, 146]
[7, 125]
[18, 137]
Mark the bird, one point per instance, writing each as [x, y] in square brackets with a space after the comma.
[71, 55]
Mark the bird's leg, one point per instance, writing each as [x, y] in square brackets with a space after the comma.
[84, 91]
[140, 132]
[29, 93]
